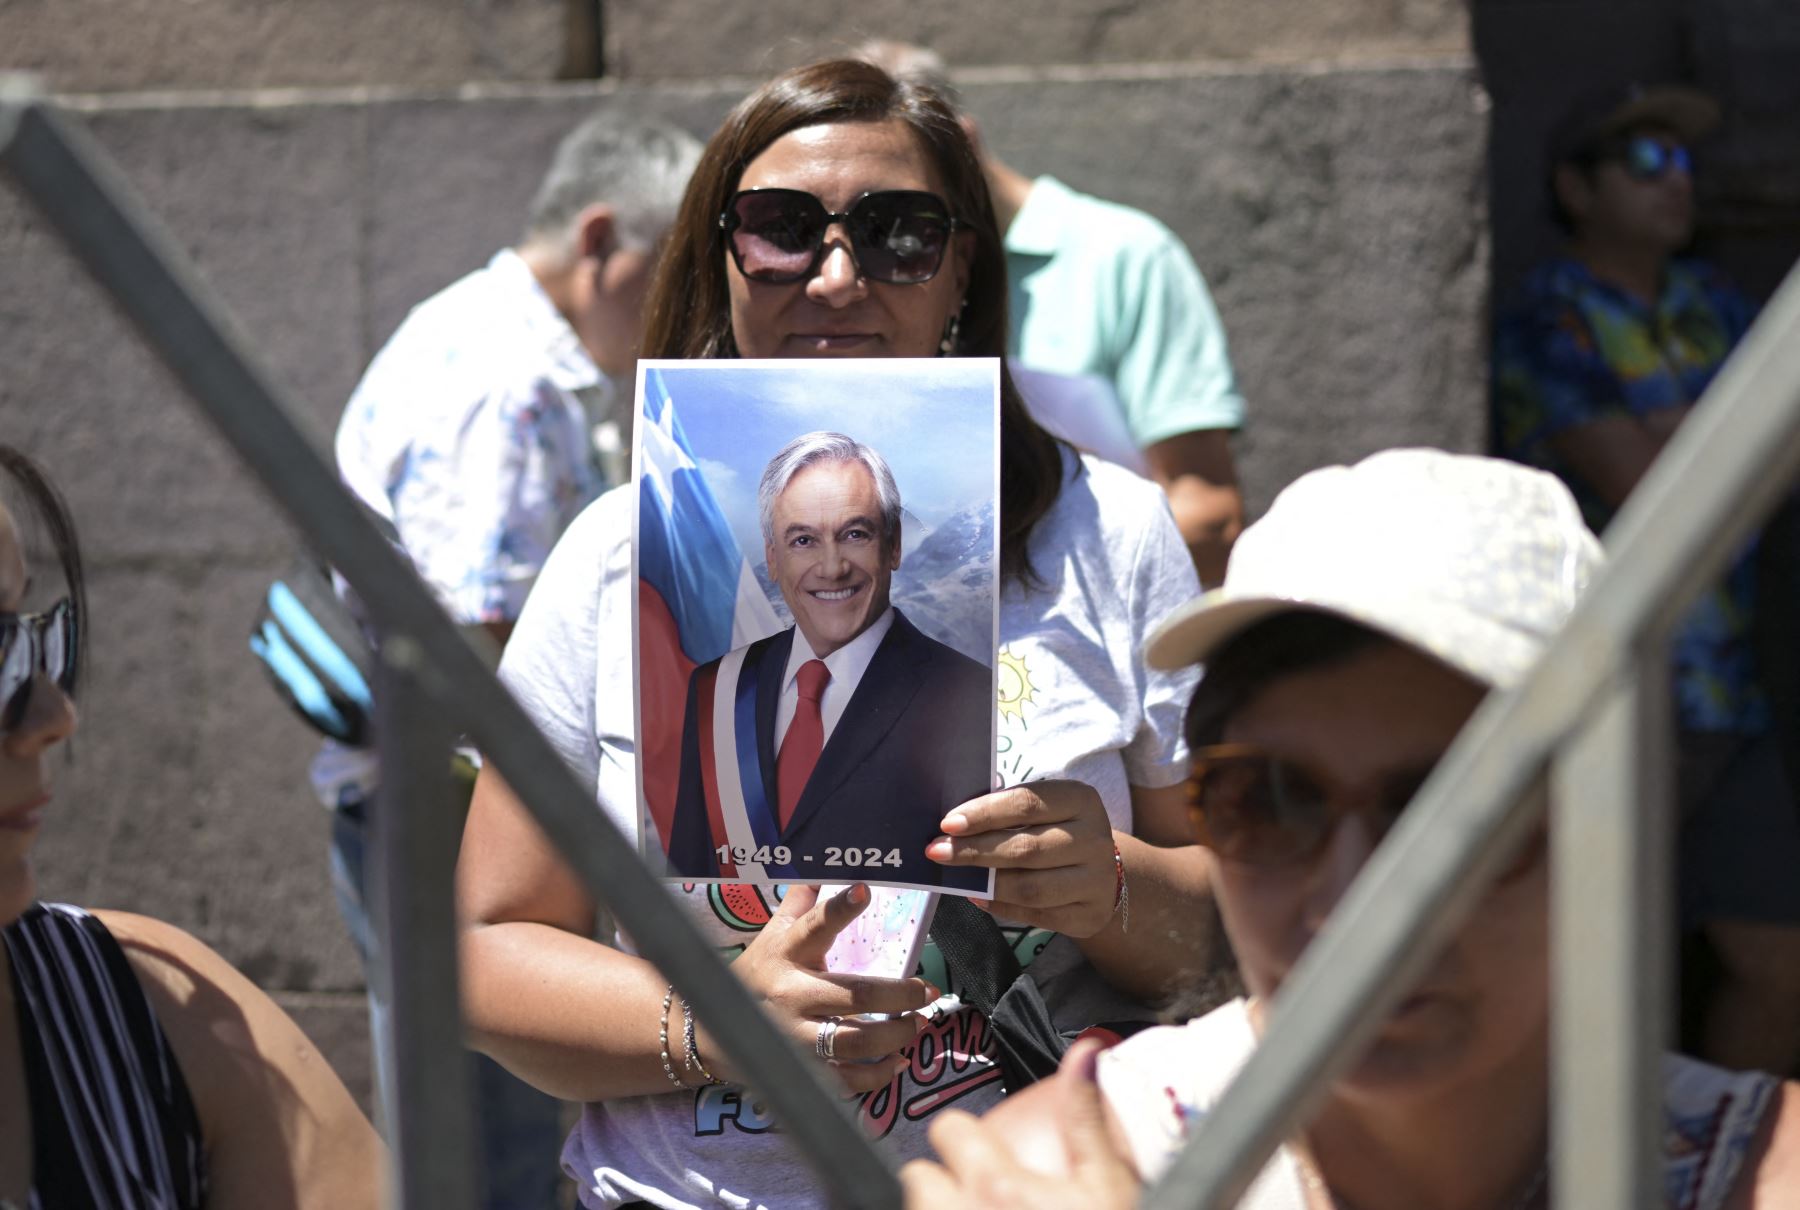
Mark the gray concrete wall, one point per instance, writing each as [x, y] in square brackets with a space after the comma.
[114, 45]
[1337, 209]
[1337, 215]
[700, 38]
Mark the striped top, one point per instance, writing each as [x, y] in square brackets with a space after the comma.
[111, 1120]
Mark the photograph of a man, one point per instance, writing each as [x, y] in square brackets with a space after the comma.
[863, 730]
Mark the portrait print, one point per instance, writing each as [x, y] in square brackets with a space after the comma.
[816, 563]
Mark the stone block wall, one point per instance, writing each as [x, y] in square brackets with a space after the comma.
[1337, 215]
[664, 39]
[118, 45]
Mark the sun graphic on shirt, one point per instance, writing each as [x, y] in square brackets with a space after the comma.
[1015, 685]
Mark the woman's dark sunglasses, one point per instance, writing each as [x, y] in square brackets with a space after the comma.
[896, 235]
[1647, 159]
[30, 643]
[1254, 808]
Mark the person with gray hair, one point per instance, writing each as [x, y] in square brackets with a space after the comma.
[803, 452]
[470, 432]
[637, 169]
[867, 730]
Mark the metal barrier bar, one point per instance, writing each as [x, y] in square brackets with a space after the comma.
[1717, 479]
[1611, 883]
[83, 197]
[415, 832]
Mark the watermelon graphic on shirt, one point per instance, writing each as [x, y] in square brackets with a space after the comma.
[740, 905]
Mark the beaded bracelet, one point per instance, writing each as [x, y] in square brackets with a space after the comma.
[668, 1064]
[1121, 891]
[691, 1060]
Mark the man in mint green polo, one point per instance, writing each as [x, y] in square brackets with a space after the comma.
[1099, 289]
[1111, 313]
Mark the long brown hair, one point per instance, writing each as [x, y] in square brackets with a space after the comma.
[688, 314]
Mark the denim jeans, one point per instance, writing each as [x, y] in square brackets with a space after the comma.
[519, 1129]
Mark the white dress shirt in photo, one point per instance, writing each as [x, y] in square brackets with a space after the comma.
[846, 665]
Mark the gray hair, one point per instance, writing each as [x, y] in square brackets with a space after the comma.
[638, 167]
[909, 64]
[812, 449]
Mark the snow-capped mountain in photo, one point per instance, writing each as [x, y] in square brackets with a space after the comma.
[944, 585]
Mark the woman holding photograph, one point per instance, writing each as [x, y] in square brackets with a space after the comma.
[840, 213]
[137, 1068]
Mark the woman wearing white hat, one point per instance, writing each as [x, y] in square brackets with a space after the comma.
[1361, 623]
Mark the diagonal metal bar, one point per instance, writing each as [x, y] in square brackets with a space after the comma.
[1716, 480]
[85, 199]
[426, 1083]
[1611, 882]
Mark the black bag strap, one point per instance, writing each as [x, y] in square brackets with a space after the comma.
[1027, 1043]
[981, 964]
[986, 975]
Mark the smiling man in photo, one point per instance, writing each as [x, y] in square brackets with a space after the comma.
[832, 749]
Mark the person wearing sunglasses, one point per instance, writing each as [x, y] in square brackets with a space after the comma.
[839, 212]
[137, 1068]
[1362, 621]
[1597, 362]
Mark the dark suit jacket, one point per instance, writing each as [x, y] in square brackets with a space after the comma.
[914, 740]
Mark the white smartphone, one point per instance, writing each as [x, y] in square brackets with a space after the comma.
[886, 938]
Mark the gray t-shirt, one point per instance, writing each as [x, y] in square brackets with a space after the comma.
[1075, 701]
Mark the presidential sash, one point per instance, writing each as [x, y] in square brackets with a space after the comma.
[738, 811]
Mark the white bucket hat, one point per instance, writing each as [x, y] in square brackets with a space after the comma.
[1475, 561]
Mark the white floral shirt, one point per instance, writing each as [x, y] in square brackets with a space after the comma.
[467, 431]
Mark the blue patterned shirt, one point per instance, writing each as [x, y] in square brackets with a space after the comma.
[1575, 349]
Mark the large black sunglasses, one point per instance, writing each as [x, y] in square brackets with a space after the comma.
[30, 643]
[896, 235]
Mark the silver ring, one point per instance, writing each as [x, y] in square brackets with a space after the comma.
[825, 1045]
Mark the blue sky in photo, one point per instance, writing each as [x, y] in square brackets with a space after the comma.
[933, 420]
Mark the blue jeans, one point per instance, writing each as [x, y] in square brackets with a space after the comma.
[519, 1129]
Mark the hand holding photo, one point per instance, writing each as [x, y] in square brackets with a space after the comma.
[810, 715]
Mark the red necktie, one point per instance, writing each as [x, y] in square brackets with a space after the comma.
[805, 737]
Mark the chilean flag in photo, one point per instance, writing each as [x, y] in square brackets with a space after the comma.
[698, 596]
